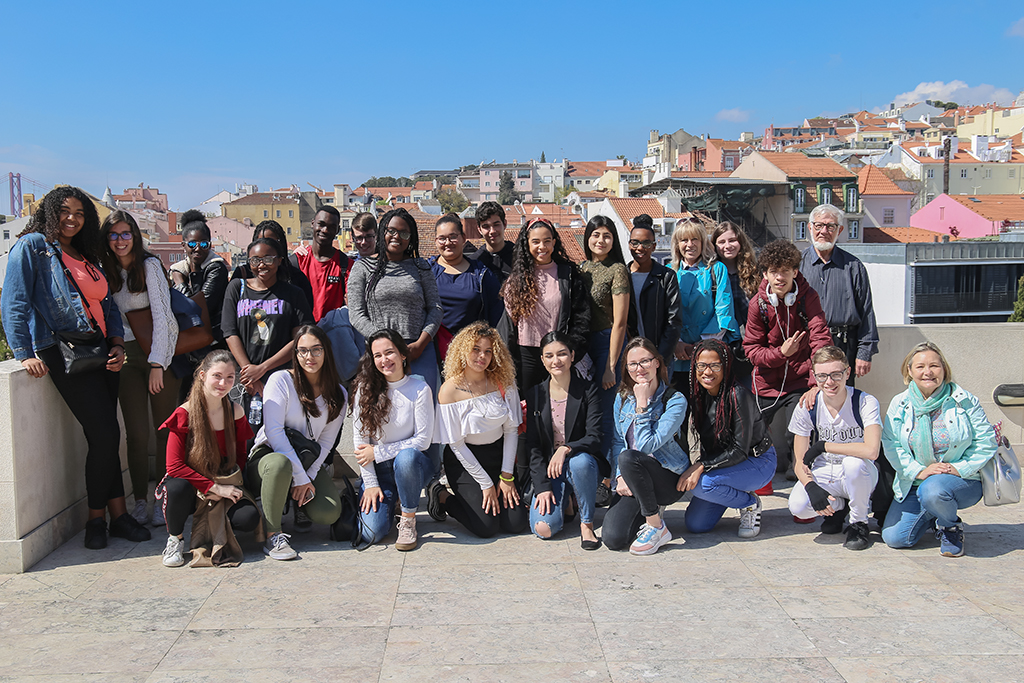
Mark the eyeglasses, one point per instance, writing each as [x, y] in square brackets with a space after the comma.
[830, 227]
[645, 363]
[192, 244]
[115, 236]
[442, 239]
[642, 244]
[315, 351]
[257, 261]
[400, 234]
[363, 237]
[836, 377]
[713, 367]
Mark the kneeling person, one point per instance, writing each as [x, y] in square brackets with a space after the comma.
[836, 443]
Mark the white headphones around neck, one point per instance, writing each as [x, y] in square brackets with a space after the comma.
[789, 299]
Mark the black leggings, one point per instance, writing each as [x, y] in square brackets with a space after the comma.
[92, 399]
[465, 505]
[652, 485]
[777, 415]
[180, 502]
[531, 369]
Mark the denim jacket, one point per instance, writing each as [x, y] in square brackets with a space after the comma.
[972, 438]
[654, 429]
[38, 300]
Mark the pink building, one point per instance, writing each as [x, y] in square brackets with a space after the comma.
[971, 215]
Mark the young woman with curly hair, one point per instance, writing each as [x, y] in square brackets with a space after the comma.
[478, 420]
[54, 285]
[206, 440]
[736, 456]
[393, 424]
[735, 250]
[148, 386]
[396, 290]
[544, 292]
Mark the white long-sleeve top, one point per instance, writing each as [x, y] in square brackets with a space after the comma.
[480, 420]
[282, 408]
[409, 425]
[158, 297]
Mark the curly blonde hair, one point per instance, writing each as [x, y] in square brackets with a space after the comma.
[501, 371]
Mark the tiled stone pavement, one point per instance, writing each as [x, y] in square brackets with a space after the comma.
[790, 605]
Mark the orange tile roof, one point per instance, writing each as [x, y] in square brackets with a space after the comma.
[630, 208]
[595, 169]
[901, 235]
[423, 185]
[871, 181]
[798, 165]
[600, 194]
[572, 240]
[994, 207]
[894, 173]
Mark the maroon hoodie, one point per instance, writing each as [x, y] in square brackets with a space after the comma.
[775, 374]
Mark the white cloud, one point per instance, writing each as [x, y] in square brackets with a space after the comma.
[1016, 28]
[736, 115]
[954, 91]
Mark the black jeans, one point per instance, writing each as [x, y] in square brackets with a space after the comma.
[180, 502]
[465, 503]
[92, 399]
[652, 485]
[531, 368]
[777, 415]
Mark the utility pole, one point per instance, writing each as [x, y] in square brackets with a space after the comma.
[946, 148]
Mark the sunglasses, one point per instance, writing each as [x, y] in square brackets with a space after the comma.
[192, 244]
[115, 236]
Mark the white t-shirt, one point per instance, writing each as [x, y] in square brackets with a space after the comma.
[843, 427]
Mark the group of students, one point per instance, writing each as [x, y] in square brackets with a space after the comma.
[564, 387]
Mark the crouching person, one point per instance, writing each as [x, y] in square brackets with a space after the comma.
[836, 443]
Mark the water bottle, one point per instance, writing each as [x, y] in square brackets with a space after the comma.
[256, 411]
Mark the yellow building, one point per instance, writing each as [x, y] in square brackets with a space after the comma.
[283, 207]
[614, 177]
[1004, 122]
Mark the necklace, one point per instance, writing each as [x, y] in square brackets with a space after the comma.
[474, 389]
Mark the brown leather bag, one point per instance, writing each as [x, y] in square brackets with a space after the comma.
[192, 339]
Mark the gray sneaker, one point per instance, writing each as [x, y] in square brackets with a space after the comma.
[406, 533]
[158, 514]
[174, 552]
[139, 512]
[278, 548]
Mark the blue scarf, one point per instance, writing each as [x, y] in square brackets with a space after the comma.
[921, 438]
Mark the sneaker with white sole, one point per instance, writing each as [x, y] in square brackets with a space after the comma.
[174, 552]
[951, 539]
[750, 519]
[158, 514]
[139, 512]
[649, 539]
[278, 548]
[406, 533]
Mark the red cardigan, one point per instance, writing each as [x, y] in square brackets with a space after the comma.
[762, 344]
[177, 452]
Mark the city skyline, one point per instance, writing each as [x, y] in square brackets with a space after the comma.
[195, 98]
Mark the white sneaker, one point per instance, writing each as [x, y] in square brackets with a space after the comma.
[750, 519]
[158, 514]
[139, 513]
[649, 539]
[278, 548]
[406, 533]
[174, 552]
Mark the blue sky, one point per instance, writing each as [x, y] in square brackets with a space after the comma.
[195, 97]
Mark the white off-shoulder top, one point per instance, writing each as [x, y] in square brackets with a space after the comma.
[480, 420]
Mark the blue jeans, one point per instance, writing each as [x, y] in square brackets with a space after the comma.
[579, 473]
[600, 347]
[426, 367]
[402, 478]
[728, 487]
[936, 498]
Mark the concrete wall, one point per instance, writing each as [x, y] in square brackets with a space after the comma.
[889, 292]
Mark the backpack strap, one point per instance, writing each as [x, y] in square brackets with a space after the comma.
[855, 403]
[813, 411]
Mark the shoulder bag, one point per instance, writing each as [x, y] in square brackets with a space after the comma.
[190, 314]
[82, 351]
[1000, 476]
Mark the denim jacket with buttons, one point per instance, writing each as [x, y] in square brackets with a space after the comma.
[38, 300]
[972, 438]
[654, 430]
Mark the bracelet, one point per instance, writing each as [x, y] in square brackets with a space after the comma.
[121, 346]
[507, 481]
[155, 366]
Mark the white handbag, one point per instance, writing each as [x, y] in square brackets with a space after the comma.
[1000, 476]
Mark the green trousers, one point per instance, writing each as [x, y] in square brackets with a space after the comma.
[272, 477]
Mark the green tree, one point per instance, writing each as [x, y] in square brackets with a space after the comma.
[452, 201]
[543, 159]
[563, 192]
[1018, 306]
[507, 189]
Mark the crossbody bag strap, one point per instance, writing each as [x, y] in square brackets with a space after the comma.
[74, 283]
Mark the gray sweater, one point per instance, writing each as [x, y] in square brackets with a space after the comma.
[404, 300]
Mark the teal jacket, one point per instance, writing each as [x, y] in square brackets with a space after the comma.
[972, 439]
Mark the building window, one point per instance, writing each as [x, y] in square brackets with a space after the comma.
[487, 184]
[888, 216]
[729, 163]
[963, 172]
[278, 213]
[289, 231]
[522, 183]
[291, 213]
[988, 172]
[1011, 172]
[801, 230]
[345, 223]
[799, 199]
[522, 174]
[931, 172]
[265, 213]
[7, 234]
[942, 212]
[854, 230]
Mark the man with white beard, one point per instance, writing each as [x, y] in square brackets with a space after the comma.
[841, 281]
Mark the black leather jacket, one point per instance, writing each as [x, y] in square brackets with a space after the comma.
[659, 310]
[750, 434]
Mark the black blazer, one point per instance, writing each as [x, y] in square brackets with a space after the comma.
[582, 428]
[660, 310]
[573, 315]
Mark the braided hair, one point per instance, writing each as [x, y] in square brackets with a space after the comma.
[411, 251]
[700, 398]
